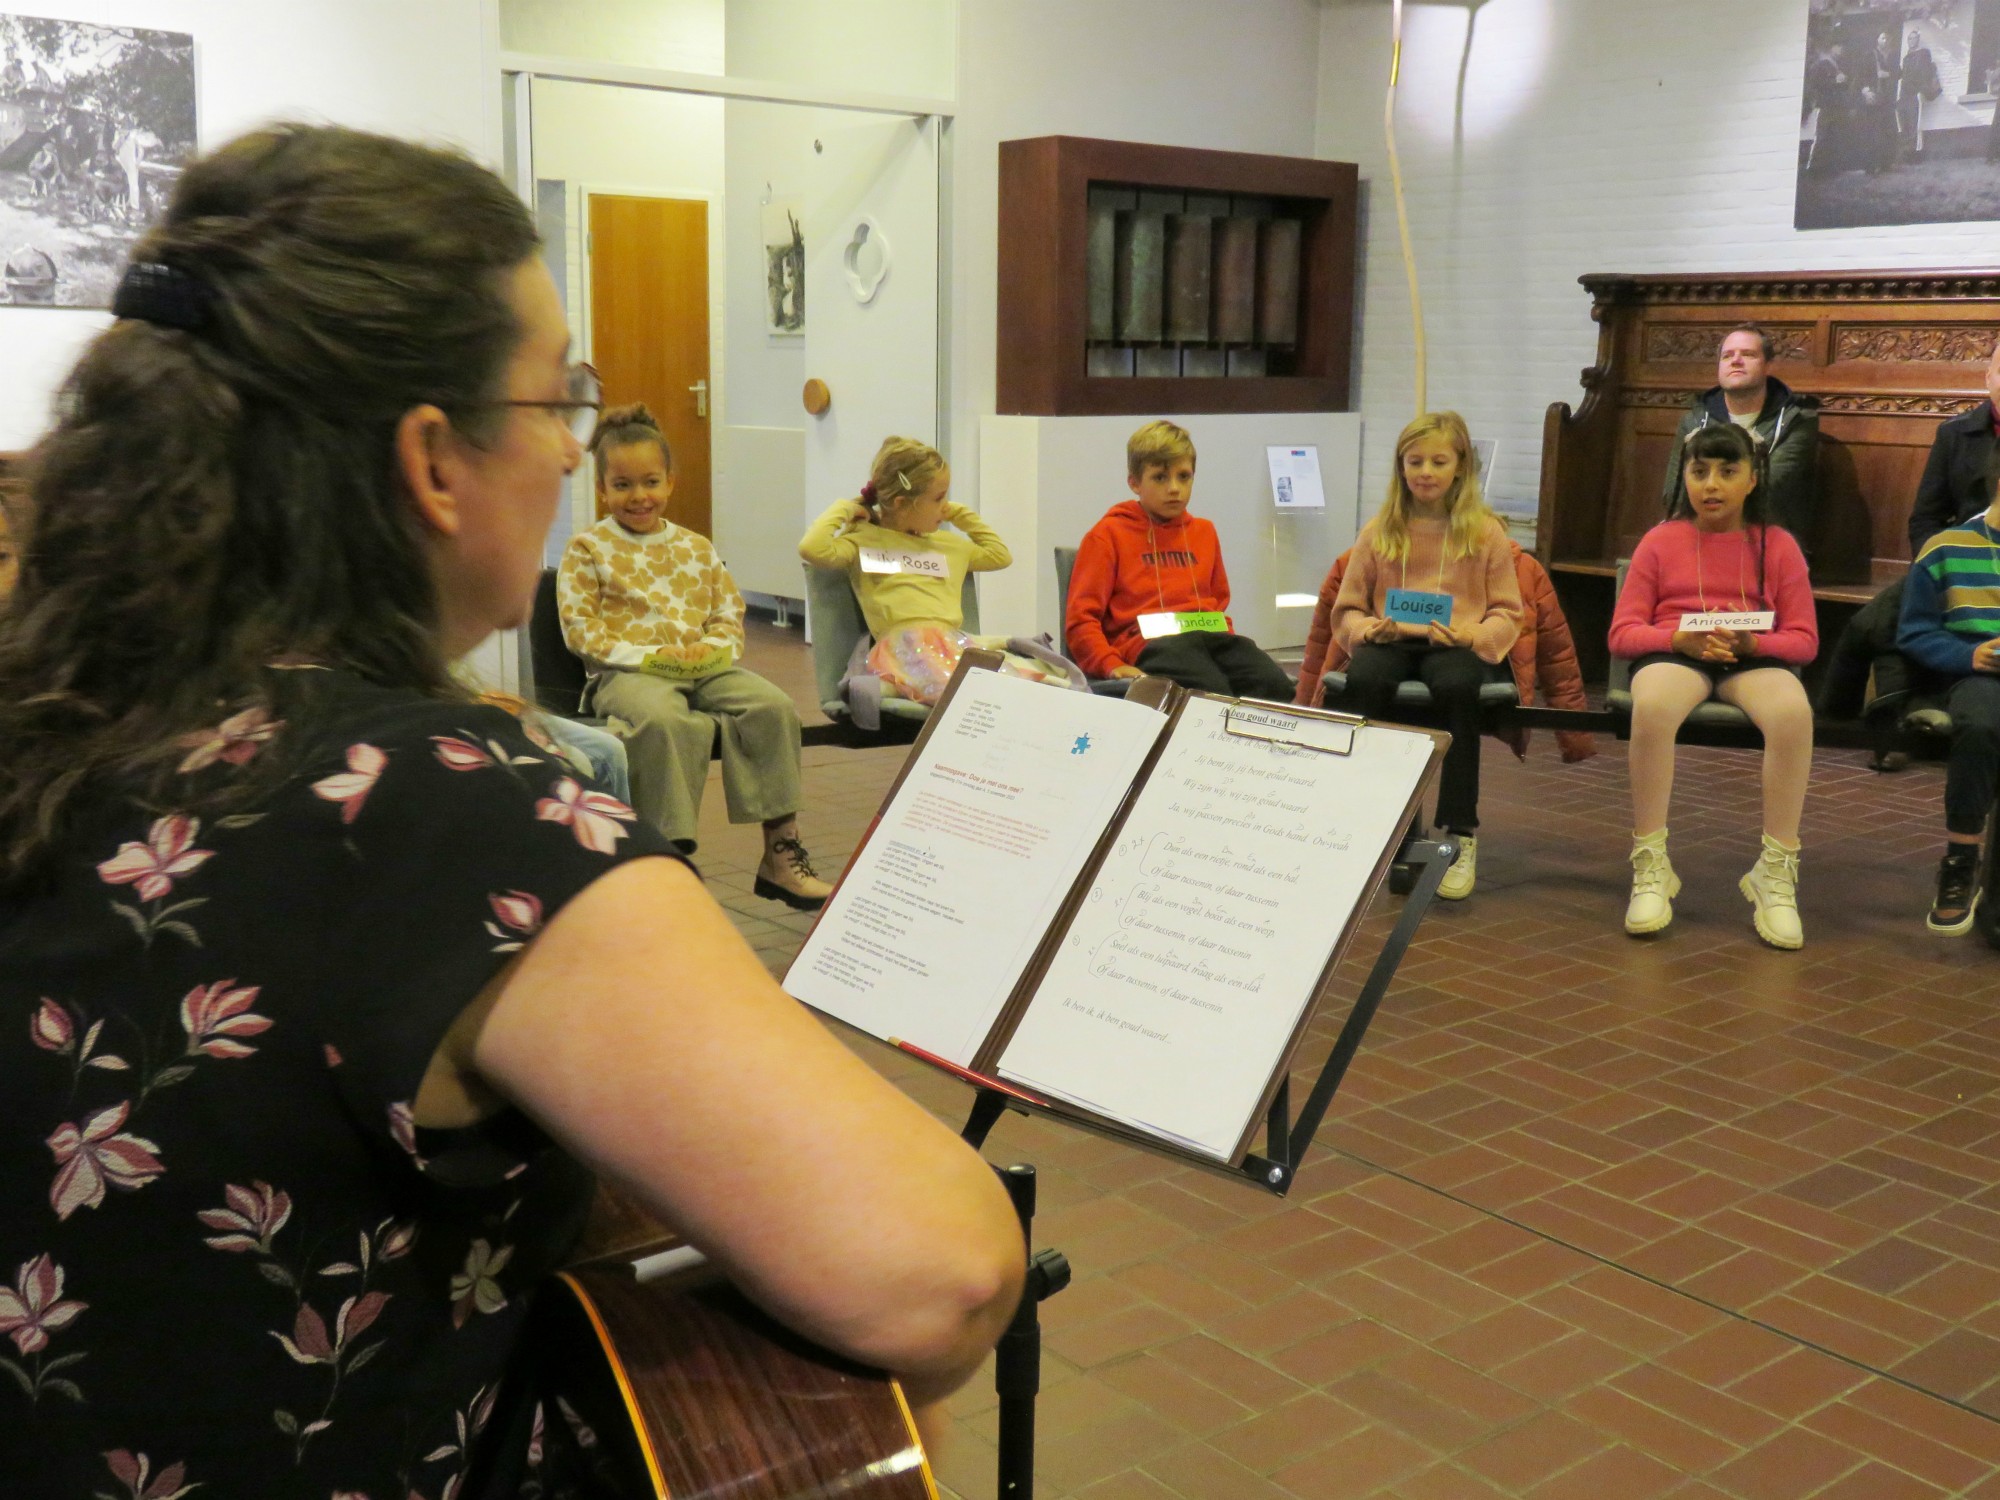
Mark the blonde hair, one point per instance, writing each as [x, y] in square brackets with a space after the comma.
[903, 469]
[621, 426]
[1466, 513]
[1160, 442]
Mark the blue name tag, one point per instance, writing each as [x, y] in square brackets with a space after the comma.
[1416, 607]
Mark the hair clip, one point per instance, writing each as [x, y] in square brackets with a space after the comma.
[161, 295]
[903, 479]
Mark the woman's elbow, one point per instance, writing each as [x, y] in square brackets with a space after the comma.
[951, 1322]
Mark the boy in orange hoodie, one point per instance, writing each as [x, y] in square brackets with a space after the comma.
[1148, 596]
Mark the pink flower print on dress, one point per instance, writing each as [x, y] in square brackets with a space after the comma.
[234, 740]
[33, 1307]
[96, 1153]
[351, 787]
[214, 1015]
[168, 852]
[135, 1473]
[51, 1028]
[253, 1218]
[592, 816]
[520, 917]
[460, 755]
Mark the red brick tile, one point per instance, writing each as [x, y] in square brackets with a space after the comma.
[1539, 1448]
[1237, 1375]
[1097, 1452]
[1896, 1445]
[1115, 1335]
[1934, 1419]
[1660, 1305]
[1356, 1465]
[1172, 1394]
[1133, 1484]
[1288, 1432]
[1725, 1353]
[1884, 1314]
[1682, 1255]
[1955, 1291]
[1798, 1382]
[1684, 1447]
[1405, 1311]
[1874, 1481]
[1455, 1384]
[1723, 1415]
[1192, 1297]
[1278, 1325]
[1338, 1352]
[1536, 1267]
[1622, 1472]
[1744, 1279]
[1568, 1365]
[1502, 1336]
[1197, 1471]
[1416, 1414]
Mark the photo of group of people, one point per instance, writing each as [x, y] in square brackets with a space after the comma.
[1897, 118]
[94, 122]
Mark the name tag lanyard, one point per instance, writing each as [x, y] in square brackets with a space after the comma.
[1403, 581]
[1742, 584]
[1159, 587]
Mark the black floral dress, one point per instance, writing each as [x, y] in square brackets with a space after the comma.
[230, 1264]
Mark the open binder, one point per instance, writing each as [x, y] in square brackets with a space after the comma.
[1123, 912]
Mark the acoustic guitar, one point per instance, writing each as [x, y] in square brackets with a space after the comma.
[681, 1389]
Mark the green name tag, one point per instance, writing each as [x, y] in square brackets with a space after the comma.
[1203, 619]
[674, 669]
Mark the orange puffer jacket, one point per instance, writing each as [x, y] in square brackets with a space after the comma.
[1543, 657]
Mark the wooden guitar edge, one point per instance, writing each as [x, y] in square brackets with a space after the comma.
[916, 1439]
[633, 1416]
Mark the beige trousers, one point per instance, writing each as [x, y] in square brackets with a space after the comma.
[674, 724]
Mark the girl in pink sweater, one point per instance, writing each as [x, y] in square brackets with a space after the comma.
[1717, 553]
[1434, 552]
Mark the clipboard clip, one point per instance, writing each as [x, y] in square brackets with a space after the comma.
[1328, 733]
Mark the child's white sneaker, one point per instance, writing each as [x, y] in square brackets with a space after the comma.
[1772, 886]
[1457, 882]
[1654, 885]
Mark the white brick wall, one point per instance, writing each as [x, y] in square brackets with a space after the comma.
[1594, 135]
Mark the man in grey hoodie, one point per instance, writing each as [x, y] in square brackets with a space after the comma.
[1785, 424]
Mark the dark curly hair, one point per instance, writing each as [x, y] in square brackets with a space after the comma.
[210, 501]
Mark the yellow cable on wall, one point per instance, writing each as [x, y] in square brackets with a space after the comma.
[1402, 213]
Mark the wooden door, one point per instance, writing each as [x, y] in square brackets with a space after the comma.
[649, 329]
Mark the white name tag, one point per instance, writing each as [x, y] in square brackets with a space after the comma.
[927, 564]
[1755, 619]
[1160, 623]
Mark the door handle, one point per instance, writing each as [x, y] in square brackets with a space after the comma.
[700, 389]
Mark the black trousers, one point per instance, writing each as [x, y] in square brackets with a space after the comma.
[1454, 675]
[1211, 662]
[1971, 772]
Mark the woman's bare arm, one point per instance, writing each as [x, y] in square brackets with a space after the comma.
[646, 1036]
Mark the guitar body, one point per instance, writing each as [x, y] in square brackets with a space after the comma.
[682, 1390]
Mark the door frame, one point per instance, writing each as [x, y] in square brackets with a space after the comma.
[514, 107]
[583, 507]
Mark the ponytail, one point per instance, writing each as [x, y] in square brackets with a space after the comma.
[903, 469]
[619, 425]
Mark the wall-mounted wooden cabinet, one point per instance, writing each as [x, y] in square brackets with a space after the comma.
[1138, 279]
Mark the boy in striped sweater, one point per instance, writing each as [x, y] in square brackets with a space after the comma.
[1951, 627]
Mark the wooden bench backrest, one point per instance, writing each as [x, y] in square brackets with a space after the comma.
[1890, 354]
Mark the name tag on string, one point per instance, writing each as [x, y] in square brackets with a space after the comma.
[924, 564]
[1167, 622]
[1418, 607]
[1745, 619]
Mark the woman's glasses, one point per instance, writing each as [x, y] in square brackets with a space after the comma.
[578, 410]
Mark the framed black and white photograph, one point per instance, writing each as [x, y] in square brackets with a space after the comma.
[1897, 116]
[784, 268]
[95, 122]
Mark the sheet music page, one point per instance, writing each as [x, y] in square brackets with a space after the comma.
[1204, 934]
[942, 908]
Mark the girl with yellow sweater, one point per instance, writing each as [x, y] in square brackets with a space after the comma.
[657, 619]
[1436, 553]
[908, 575]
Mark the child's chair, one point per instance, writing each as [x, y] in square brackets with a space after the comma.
[1714, 716]
[839, 635]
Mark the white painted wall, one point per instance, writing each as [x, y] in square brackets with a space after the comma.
[1593, 135]
[421, 70]
[876, 46]
[1241, 76]
[684, 35]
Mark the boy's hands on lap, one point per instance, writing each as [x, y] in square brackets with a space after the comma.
[1123, 671]
[1986, 656]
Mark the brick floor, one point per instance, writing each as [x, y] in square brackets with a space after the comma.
[1593, 1217]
